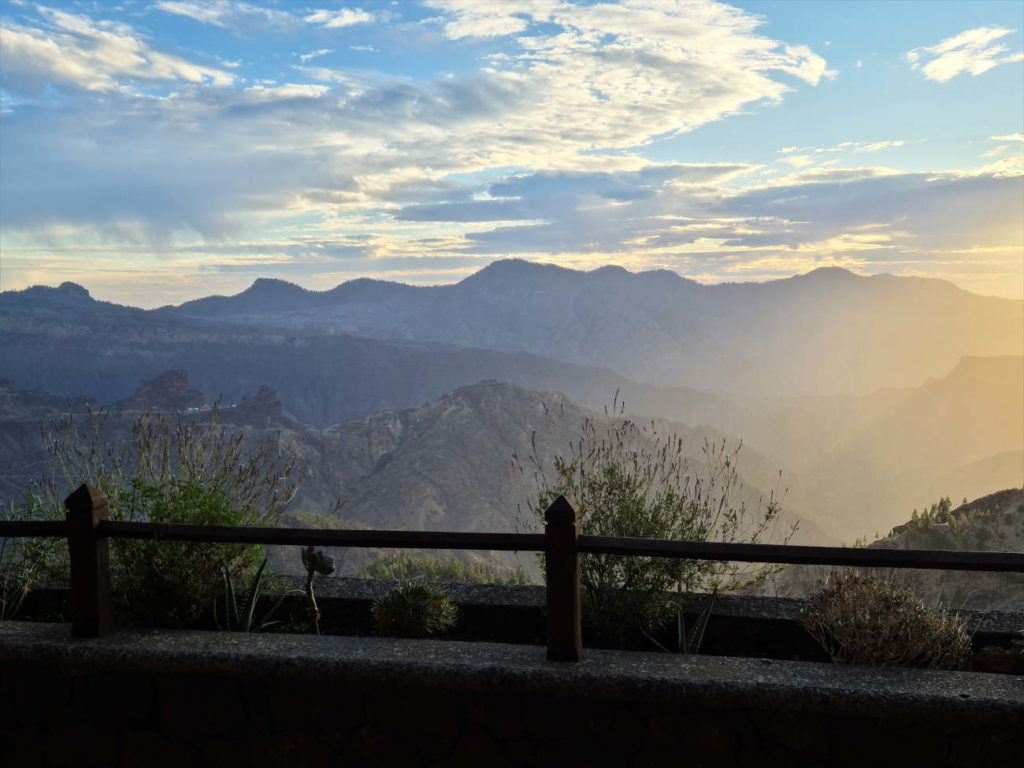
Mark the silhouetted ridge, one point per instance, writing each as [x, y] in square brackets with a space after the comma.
[515, 269]
[274, 286]
[365, 288]
[66, 293]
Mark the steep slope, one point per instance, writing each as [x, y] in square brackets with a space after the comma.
[828, 331]
[447, 465]
[992, 523]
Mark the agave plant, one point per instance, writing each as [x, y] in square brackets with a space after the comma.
[689, 641]
[239, 618]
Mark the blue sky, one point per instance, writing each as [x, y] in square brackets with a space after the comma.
[159, 151]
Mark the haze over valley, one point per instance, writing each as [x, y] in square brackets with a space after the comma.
[404, 432]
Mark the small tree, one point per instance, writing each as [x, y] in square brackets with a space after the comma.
[627, 479]
[169, 471]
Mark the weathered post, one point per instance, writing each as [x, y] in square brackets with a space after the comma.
[90, 564]
[565, 637]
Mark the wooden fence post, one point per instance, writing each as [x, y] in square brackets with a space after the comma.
[90, 564]
[565, 637]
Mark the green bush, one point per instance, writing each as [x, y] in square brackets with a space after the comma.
[866, 621]
[403, 567]
[629, 480]
[414, 610]
[169, 471]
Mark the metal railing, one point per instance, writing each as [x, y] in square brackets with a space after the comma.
[88, 531]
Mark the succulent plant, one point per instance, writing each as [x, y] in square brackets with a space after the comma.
[315, 562]
[414, 610]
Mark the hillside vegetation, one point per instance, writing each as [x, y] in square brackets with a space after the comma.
[994, 522]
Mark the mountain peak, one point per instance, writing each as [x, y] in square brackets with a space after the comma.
[273, 285]
[830, 273]
[73, 290]
[506, 267]
[611, 269]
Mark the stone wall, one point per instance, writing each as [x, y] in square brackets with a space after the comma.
[200, 698]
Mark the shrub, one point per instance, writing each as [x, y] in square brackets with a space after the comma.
[866, 621]
[403, 567]
[414, 610]
[170, 471]
[630, 480]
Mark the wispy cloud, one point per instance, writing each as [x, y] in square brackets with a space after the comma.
[77, 52]
[803, 157]
[343, 17]
[228, 14]
[877, 145]
[799, 161]
[971, 52]
[304, 57]
[466, 18]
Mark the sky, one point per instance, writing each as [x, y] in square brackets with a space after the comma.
[155, 152]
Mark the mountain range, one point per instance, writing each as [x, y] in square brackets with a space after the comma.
[825, 332]
[872, 395]
[62, 341]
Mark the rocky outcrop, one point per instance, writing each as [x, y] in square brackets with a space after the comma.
[261, 411]
[168, 392]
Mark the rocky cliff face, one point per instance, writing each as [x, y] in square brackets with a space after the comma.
[168, 392]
